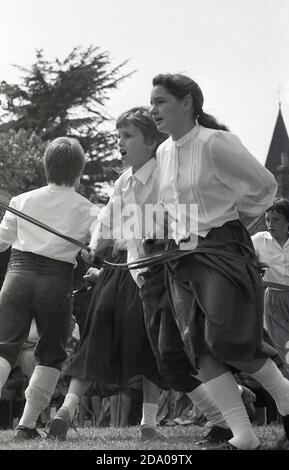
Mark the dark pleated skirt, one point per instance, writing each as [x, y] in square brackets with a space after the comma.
[173, 363]
[114, 345]
[217, 300]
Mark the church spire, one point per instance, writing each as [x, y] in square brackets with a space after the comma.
[279, 144]
[278, 163]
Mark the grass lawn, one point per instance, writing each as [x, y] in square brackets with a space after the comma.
[117, 439]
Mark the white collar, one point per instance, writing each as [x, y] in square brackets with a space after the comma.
[58, 187]
[182, 140]
[144, 172]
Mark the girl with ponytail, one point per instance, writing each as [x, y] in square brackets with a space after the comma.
[216, 291]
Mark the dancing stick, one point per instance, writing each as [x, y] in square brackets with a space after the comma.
[148, 261]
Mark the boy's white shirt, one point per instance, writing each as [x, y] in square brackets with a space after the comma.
[60, 207]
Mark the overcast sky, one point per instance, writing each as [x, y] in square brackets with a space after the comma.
[237, 50]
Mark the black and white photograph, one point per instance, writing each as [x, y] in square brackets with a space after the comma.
[144, 229]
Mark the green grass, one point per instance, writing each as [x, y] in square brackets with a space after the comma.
[117, 439]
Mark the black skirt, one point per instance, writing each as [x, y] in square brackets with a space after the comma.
[114, 345]
[173, 363]
[217, 297]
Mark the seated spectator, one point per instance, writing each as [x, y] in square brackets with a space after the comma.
[82, 293]
[109, 405]
[12, 398]
[249, 399]
[263, 409]
[26, 359]
[191, 415]
[176, 408]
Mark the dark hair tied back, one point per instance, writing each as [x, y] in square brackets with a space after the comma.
[179, 86]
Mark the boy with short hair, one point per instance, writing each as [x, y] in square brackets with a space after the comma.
[38, 282]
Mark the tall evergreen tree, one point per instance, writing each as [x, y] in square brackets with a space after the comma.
[21, 162]
[68, 97]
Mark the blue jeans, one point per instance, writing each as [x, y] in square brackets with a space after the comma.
[47, 297]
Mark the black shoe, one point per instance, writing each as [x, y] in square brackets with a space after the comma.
[149, 433]
[285, 420]
[24, 433]
[60, 424]
[283, 444]
[227, 446]
[216, 435]
[224, 446]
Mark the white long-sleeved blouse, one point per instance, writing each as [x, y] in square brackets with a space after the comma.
[213, 169]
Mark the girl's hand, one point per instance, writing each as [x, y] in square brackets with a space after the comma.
[92, 275]
[88, 256]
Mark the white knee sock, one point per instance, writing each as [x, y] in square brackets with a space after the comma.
[38, 394]
[149, 414]
[225, 392]
[71, 402]
[5, 369]
[207, 406]
[272, 380]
